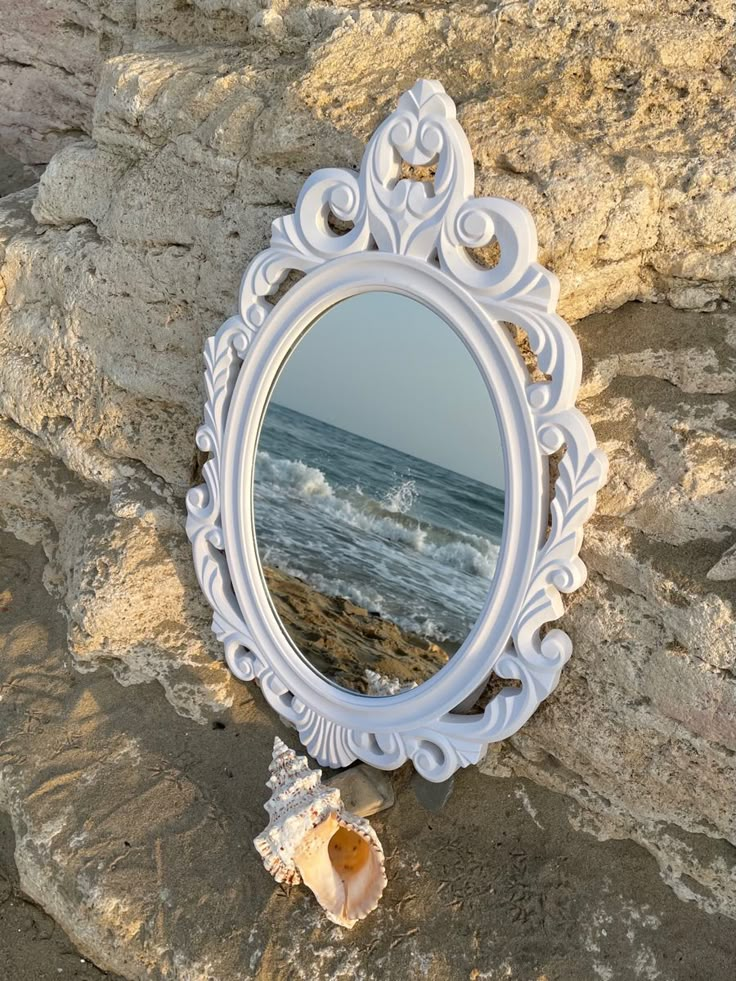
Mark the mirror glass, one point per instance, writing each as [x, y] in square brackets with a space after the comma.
[378, 493]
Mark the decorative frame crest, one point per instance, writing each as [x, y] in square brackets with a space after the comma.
[411, 237]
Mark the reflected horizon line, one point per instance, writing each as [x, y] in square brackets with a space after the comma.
[394, 449]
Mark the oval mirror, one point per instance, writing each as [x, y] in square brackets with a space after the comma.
[348, 530]
[378, 493]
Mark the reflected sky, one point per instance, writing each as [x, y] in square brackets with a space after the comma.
[385, 367]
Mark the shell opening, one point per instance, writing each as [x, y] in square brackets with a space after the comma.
[343, 869]
[348, 852]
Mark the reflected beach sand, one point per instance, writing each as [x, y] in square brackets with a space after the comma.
[343, 640]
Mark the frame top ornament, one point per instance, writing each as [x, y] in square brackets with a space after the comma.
[412, 237]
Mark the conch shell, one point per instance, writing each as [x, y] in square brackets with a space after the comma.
[311, 838]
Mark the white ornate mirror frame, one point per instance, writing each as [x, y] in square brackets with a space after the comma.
[410, 237]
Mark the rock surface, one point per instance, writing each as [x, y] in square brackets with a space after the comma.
[497, 885]
[642, 729]
[32, 946]
[184, 130]
[50, 55]
[614, 123]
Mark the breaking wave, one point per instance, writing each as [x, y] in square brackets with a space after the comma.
[401, 497]
[386, 519]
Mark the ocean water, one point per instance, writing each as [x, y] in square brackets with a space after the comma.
[405, 538]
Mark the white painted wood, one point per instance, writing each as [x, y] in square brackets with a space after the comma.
[412, 238]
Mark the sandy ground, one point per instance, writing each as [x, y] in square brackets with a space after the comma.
[498, 885]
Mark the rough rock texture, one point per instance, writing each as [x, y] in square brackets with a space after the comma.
[32, 946]
[615, 124]
[133, 828]
[50, 55]
[642, 729]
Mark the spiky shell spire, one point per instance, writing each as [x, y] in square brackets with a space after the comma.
[299, 802]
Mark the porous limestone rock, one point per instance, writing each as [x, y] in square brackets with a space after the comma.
[614, 122]
[50, 54]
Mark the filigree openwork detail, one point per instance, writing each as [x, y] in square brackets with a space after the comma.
[427, 227]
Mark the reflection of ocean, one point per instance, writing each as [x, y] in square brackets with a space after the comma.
[401, 536]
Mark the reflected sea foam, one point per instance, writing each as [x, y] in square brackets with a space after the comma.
[404, 538]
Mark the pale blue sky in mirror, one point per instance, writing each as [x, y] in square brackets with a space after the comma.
[384, 366]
